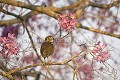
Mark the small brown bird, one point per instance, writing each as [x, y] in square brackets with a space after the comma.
[47, 48]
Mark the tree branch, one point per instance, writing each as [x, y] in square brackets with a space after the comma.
[32, 42]
[48, 63]
[30, 14]
[98, 31]
[14, 21]
[6, 75]
[105, 6]
[33, 45]
[78, 26]
[41, 9]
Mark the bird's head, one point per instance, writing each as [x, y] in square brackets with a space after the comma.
[49, 39]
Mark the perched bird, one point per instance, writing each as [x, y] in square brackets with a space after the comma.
[47, 48]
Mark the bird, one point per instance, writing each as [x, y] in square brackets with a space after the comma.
[47, 48]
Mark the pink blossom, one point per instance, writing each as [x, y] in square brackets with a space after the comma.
[102, 57]
[99, 53]
[9, 46]
[106, 56]
[98, 48]
[67, 21]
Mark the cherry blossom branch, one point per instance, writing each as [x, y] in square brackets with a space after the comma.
[78, 26]
[98, 31]
[32, 42]
[48, 63]
[30, 14]
[49, 10]
[8, 74]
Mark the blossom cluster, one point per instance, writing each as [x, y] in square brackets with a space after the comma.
[8, 46]
[100, 54]
[67, 21]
